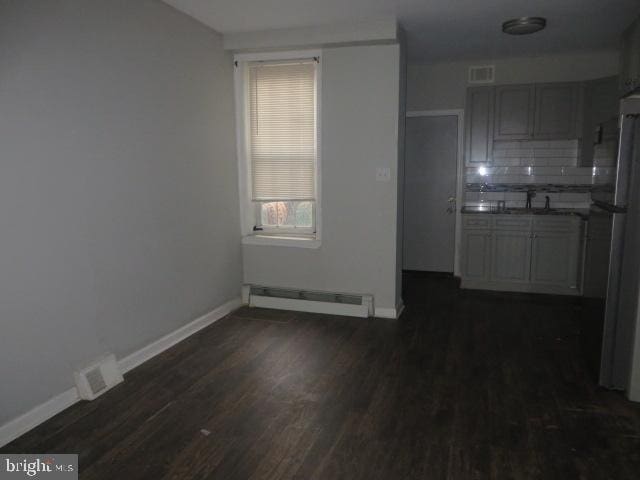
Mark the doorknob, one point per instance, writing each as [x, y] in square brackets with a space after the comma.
[451, 205]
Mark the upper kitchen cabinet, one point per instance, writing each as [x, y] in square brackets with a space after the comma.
[603, 99]
[547, 111]
[630, 64]
[557, 111]
[479, 125]
[599, 120]
[514, 112]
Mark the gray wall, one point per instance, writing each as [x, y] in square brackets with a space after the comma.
[118, 196]
[360, 92]
[443, 85]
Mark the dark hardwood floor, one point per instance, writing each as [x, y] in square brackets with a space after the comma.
[466, 385]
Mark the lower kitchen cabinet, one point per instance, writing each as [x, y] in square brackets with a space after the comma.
[510, 259]
[477, 244]
[522, 253]
[554, 259]
[596, 257]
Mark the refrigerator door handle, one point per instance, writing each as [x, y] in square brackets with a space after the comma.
[625, 158]
[609, 361]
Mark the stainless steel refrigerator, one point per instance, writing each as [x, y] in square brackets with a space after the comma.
[618, 368]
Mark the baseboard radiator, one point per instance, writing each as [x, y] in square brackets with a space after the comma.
[308, 301]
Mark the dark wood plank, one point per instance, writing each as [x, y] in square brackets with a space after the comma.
[466, 385]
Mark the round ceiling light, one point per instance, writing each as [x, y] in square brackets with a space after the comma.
[524, 25]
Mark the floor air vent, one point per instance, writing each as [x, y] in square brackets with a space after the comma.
[97, 378]
[308, 301]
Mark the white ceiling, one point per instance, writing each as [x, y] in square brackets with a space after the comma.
[437, 30]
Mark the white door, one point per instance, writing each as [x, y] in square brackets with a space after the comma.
[430, 192]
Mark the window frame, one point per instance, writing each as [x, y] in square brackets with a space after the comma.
[250, 210]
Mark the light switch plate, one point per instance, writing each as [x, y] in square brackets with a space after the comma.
[383, 174]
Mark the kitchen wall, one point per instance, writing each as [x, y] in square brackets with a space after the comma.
[118, 197]
[372, 31]
[443, 85]
[360, 95]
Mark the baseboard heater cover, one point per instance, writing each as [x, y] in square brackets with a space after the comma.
[310, 301]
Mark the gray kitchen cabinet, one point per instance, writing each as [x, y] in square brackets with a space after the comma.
[523, 253]
[630, 59]
[479, 126]
[599, 118]
[511, 251]
[554, 259]
[557, 110]
[603, 99]
[514, 112]
[556, 251]
[596, 258]
[526, 112]
[476, 254]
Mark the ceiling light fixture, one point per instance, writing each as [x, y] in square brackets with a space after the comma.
[524, 25]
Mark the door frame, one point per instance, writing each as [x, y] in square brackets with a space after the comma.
[459, 113]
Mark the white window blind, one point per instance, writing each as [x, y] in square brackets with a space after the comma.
[282, 130]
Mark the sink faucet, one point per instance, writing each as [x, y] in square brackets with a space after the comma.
[530, 195]
[547, 202]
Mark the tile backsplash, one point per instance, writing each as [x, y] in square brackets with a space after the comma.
[604, 154]
[518, 199]
[539, 162]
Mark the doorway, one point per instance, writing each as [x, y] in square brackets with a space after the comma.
[431, 190]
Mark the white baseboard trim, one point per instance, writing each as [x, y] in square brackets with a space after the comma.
[34, 417]
[138, 358]
[43, 412]
[390, 312]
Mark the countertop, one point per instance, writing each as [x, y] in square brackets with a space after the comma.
[578, 212]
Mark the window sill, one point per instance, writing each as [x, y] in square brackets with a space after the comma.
[282, 241]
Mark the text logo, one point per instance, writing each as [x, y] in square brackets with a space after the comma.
[47, 466]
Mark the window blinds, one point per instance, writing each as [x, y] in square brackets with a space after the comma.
[282, 130]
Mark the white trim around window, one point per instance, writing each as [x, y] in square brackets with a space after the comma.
[247, 207]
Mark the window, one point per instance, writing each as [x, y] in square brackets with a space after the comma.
[280, 125]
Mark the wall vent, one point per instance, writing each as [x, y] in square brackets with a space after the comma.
[309, 301]
[98, 377]
[482, 74]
